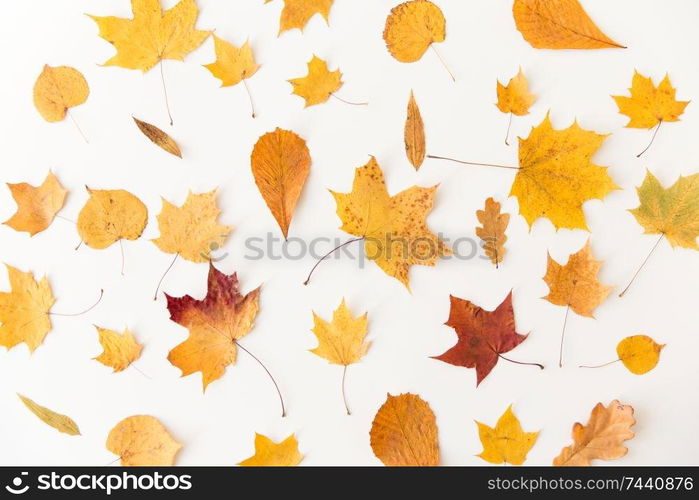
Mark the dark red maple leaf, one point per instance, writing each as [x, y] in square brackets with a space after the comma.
[483, 335]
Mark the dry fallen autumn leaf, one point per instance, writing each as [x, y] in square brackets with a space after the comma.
[492, 232]
[57, 90]
[24, 311]
[158, 137]
[119, 349]
[506, 442]
[271, 454]
[483, 336]
[404, 432]
[36, 205]
[381, 220]
[280, 164]
[142, 440]
[412, 27]
[341, 341]
[559, 24]
[649, 106]
[638, 353]
[319, 84]
[59, 422]
[297, 13]
[601, 438]
[414, 134]
[514, 99]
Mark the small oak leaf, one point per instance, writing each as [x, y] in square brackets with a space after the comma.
[492, 232]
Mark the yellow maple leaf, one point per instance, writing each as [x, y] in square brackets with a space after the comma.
[393, 228]
[109, 216]
[575, 284]
[506, 442]
[233, 64]
[61, 423]
[556, 175]
[271, 454]
[152, 35]
[58, 89]
[36, 205]
[214, 323]
[649, 105]
[144, 441]
[191, 231]
[412, 27]
[319, 84]
[24, 311]
[639, 353]
[341, 341]
[297, 13]
[515, 97]
[120, 349]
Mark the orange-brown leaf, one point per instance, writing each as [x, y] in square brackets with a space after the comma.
[492, 232]
[414, 134]
[36, 205]
[158, 137]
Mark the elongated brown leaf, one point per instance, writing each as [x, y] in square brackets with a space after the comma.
[158, 137]
[59, 422]
[493, 230]
[414, 134]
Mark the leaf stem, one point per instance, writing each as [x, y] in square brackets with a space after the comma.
[349, 102]
[643, 264]
[167, 102]
[520, 362]
[155, 297]
[72, 118]
[344, 395]
[472, 163]
[252, 104]
[565, 322]
[660, 122]
[281, 400]
[599, 366]
[121, 247]
[308, 279]
[507, 134]
[83, 312]
[443, 63]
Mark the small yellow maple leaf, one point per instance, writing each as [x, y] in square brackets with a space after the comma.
[672, 212]
[394, 229]
[58, 89]
[271, 454]
[515, 97]
[233, 64]
[191, 230]
[61, 423]
[142, 440]
[120, 349]
[36, 205]
[575, 284]
[412, 27]
[341, 341]
[24, 311]
[639, 353]
[319, 84]
[152, 35]
[109, 216]
[556, 176]
[649, 105]
[297, 13]
[507, 442]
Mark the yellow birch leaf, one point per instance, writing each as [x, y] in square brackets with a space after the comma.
[109, 216]
[556, 175]
[319, 84]
[507, 442]
[414, 134]
[36, 205]
[120, 349]
[158, 137]
[393, 228]
[559, 24]
[152, 35]
[271, 454]
[233, 64]
[341, 341]
[280, 164]
[515, 98]
[191, 231]
[639, 353]
[61, 423]
[58, 89]
[412, 27]
[143, 441]
[650, 105]
[24, 311]
[492, 232]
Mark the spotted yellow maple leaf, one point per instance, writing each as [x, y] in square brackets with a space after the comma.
[556, 175]
[319, 84]
[120, 349]
[297, 13]
[271, 454]
[24, 310]
[233, 64]
[393, 228]
[36, 205]
[152, 35]
[506, 442]
[649, 105]
[191, 231]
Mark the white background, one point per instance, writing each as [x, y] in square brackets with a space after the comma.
[214, 128]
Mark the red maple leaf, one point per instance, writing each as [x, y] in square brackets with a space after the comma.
[483, 335]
